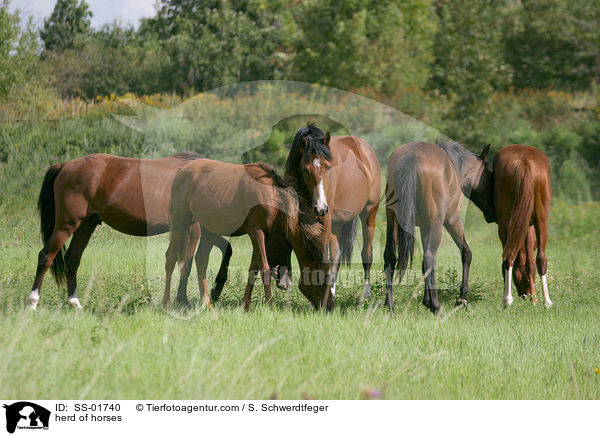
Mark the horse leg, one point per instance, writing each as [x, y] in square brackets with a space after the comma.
[252, 270]
[71, 211]
[202, 255]
[524, 269]
[389, 256]
[190, 240]
[531, 264]
[541, 232]
[507, 268]
[454, 226]
[80, 240]
[331, 277]
[45, 259]
[368, 231]
[431, 237]
[171, 260]
[258, 245]
[225, 247]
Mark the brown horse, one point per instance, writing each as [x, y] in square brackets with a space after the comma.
[522, 195]
[233, 199]
[424, 184]
[351, 190]
[130, 195]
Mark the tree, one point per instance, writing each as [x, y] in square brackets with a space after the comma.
[384, 46]
[469, 61]
[215, 43]
[18, 49]
[555, 44]
[69, 19]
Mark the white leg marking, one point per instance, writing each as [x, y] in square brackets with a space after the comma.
[333, 289]
[547, 301]
[508, 299]
[32, 300]
[74, 301]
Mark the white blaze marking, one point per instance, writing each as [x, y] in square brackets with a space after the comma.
[32, 300]
[319, 191]
[508, 299]
[547, 301]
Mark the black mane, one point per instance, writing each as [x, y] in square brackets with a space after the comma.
[314, 146]
[270, 173]
[188, 155]
[457, 152]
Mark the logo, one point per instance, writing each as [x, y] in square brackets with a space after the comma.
[26, 415]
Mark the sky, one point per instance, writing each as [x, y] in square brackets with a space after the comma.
[105, 11]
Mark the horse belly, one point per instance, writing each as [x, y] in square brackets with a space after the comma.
[220, 219]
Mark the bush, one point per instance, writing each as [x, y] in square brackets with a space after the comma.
[573, 185]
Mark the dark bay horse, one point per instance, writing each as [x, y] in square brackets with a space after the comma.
[424, 185]
[351, 189]
[232, 199]
[130, 195]
[522, 196]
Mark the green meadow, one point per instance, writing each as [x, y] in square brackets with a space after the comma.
[124, 345]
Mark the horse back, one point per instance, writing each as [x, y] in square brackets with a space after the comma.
[221, 195]
[358, 176]
[130, 195]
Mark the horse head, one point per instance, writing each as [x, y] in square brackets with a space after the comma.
[307, 166]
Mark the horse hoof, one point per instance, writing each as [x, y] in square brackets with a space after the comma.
[74, 302]
[32, 301]
[548, 304]
[462, 302]
[215, 294]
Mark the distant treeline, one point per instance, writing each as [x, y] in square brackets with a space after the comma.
[461, 48]
[482, 71]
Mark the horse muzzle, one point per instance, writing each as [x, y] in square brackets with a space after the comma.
[321, 211]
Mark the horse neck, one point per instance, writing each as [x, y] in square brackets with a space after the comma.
[307, 234]
[466, 171]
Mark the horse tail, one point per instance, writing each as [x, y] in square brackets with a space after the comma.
[346, 240]
[405, 180]
[522, 210]
[47, 210]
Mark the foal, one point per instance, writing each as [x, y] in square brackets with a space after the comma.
[231, 199]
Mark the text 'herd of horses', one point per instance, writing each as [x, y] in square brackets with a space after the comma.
[330, 183]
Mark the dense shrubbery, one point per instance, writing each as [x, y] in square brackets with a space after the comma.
[480, 72]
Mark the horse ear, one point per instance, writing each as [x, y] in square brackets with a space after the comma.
[326, 139]
[303, 142]
[485, 152]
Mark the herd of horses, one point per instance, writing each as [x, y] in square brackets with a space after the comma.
[330, 183]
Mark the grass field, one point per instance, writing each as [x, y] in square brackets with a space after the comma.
[123, 345]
